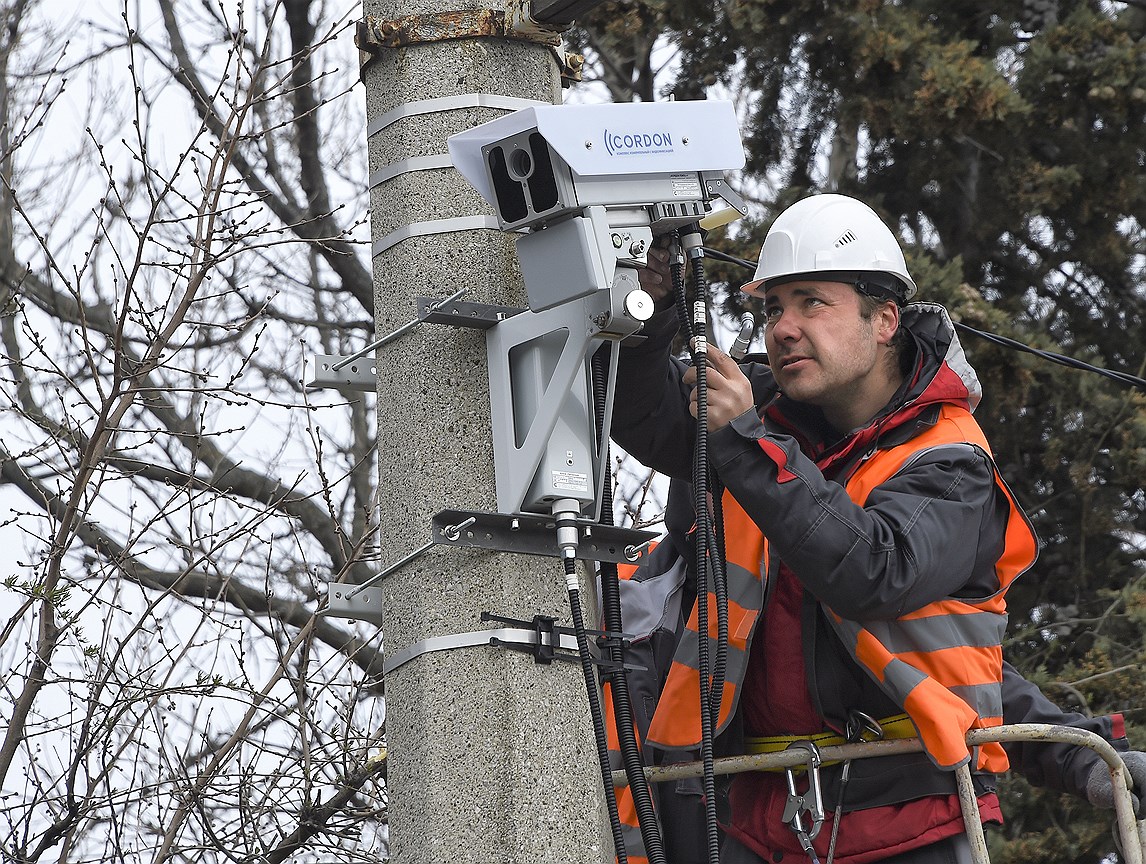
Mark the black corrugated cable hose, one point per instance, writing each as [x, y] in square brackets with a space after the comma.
[622, 700]
[676, 270]
[715, 539]
[598, 716]
[720, 589]
[700, 491]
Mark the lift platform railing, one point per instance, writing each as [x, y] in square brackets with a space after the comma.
[1130, 831]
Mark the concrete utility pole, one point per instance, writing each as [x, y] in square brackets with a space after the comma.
[491, 756]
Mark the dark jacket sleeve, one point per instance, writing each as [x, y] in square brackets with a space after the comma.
[651, 419]
[651, 416]
[923, 535]
[1062, 767]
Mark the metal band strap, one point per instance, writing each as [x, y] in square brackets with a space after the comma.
[450, 103]
[422, 163]
[414, 163]
[513, 635]
[433, 226]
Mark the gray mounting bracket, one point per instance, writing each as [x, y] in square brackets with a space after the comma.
[458, 313]
[531, 534]
[356, 602]
[360, 373]
[328, 371]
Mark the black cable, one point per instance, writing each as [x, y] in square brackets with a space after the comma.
[731, 259]
[703, 579]
[720, 583]
[703, 560]
[676, 269]
[714, 541]
[595, 711]
[618, 678]
[1061, 359]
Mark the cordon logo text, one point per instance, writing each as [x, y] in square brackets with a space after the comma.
[637, 143]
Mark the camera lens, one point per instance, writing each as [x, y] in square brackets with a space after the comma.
[520, 164]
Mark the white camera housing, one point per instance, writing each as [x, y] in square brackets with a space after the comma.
[539, 164]
[591, 185]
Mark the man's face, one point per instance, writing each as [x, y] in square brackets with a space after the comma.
[824, 352]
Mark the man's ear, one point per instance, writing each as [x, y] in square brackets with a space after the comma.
[886, 322]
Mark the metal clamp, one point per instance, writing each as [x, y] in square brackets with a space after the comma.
[355, 372]
[373, 36]
[363, 602]
[502, 636]
[540, 637]
[401, 331]
[449, 103]
[810, 802]
[548, 635]
[533, 534]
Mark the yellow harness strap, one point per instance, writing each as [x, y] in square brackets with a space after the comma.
[898, 726]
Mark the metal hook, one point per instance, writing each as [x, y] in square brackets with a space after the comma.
[811, 802]
[860, 725]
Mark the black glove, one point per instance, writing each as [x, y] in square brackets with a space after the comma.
[1100, 789]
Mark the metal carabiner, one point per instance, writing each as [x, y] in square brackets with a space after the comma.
[859, 726]
[811, 802]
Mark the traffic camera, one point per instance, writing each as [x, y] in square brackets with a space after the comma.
[586, 188]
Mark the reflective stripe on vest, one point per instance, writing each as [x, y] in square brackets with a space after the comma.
[676, 723]
[944, 662]
[941, 663]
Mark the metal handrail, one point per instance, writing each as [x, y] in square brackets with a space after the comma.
[1128, 828]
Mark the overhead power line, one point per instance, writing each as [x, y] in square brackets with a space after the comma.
[1061, 359]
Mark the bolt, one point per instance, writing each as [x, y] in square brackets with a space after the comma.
[453, 532]
[633, 552]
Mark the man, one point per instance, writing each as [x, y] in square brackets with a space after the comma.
[657, 599]
[869, 536]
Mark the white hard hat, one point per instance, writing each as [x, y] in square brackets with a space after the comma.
[833, 238]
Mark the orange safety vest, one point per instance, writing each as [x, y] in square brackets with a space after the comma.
[942, 663]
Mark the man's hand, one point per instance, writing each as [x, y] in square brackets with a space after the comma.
[729, 391]
[656, 279]
[1100, 788]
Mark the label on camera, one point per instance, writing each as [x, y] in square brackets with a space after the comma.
[685, 185]
[570, 481]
